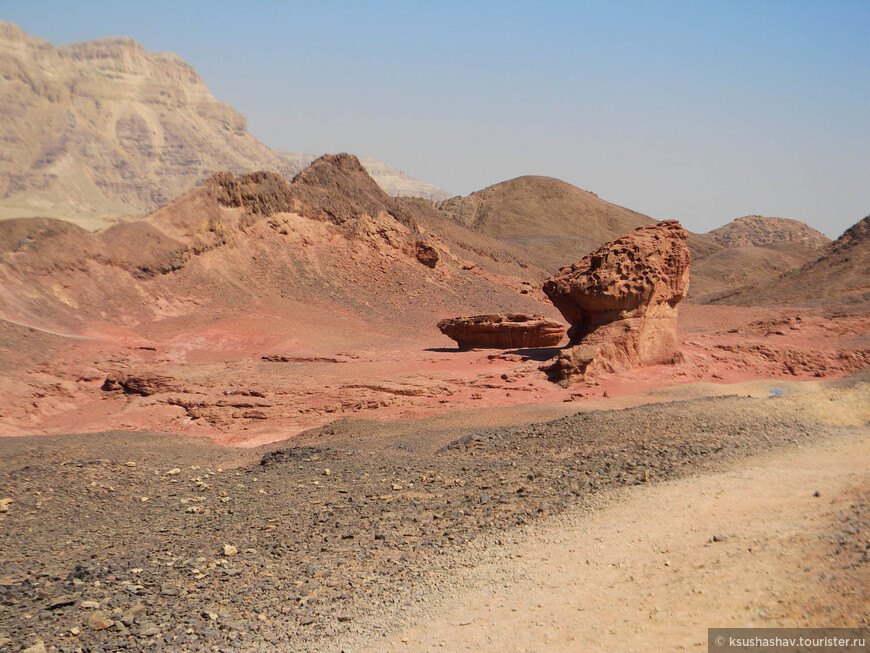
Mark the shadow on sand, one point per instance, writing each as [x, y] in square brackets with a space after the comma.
[532, 353]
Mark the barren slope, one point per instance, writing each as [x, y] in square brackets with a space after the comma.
[557, 222]
[839, 278]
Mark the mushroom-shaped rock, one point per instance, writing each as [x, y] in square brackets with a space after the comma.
[510, 331]
[622, 298]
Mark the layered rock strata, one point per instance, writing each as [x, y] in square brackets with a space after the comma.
[503, 331]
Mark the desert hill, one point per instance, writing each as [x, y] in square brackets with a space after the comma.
[329, 238]
[760, 231]
[556, 221]
[393, 181]
[838, 278]
[245, 286]
[554, 224]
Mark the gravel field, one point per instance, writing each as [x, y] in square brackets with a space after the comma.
[151, 542]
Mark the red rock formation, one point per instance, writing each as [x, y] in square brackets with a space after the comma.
[503, 331]
[621, 299]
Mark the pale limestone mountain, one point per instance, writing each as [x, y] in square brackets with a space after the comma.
[103, 130]
[393, 181]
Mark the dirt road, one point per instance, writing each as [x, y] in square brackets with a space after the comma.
[753, 546]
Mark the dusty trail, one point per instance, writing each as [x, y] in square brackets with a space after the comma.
[48, 331]
[644, 572]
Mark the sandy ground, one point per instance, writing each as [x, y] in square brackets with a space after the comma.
[251, 380]
[645, 573]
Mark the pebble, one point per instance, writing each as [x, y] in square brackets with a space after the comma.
[39, 647]
[149, 629]
[99, 620]
[4, 504]
[62, 601]
[89, 605]
[130, 615]
[230, 550]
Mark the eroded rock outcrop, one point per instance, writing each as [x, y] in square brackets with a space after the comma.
[503, 331]
[426, 254]
[621, 300]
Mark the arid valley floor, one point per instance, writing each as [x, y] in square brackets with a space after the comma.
[229, 420]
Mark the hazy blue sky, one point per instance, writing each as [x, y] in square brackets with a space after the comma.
[700, 111]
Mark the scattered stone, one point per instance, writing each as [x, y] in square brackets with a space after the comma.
[230, 550]
[89, 605]
[426, 254]
[149, 629]
[570, 365]
[129, 463]
[326, 472]
[62, 601]
[130, 615]
[99, 620]
[4, 504]
[39, 647]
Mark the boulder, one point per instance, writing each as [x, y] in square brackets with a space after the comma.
[621, 300]
[510, 331]
[426, 254]
[570, 365]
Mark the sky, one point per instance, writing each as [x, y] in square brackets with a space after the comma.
[696, 111]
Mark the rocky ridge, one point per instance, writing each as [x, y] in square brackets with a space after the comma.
[393, 181]
[759, 231]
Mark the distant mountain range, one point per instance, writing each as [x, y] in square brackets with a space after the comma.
[102, 132]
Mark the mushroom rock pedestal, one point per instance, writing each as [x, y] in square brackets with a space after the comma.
[621, 301]
[513, 331]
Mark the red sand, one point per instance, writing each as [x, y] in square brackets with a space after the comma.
[216, 384]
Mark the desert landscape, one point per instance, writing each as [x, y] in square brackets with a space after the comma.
[261, 400]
